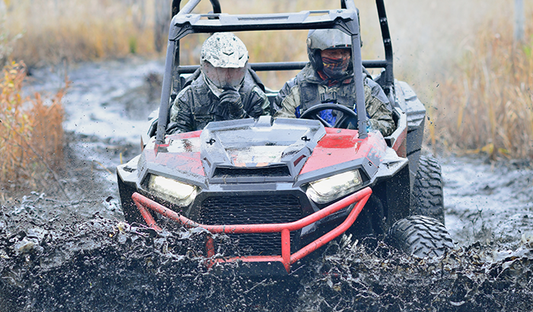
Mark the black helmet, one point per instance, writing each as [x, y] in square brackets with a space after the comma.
[323, 39]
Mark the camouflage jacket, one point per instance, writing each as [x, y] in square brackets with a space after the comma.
[308, 89]
[195, 105]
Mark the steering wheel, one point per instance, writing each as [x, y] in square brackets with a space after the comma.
[347, 117]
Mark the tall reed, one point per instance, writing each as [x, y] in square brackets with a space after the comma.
[75, 30]
[31, 134]
[475, 87]
[486, 102]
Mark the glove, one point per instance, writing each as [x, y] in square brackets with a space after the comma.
[232, 100]
[369, 127]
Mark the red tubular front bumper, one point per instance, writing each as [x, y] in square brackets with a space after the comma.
[286, 258]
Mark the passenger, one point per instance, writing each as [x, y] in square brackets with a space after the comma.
[224, 87]
[329, 78]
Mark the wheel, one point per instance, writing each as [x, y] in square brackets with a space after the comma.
[348, 118]
[420, 236]
[427, 195]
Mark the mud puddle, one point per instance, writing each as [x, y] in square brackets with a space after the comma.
[72, 252]
[489, 203]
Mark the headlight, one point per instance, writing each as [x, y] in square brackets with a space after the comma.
[176, 192]
[330, 188]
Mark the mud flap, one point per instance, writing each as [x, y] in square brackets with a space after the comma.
[395, 197]
[130, 211]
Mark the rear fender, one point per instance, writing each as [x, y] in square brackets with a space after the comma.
[416, 116]
[397, 140]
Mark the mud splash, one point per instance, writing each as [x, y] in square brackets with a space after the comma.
[102, 265]
[106, 265]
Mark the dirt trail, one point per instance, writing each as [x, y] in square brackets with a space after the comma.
[491, 203]
[76, 254]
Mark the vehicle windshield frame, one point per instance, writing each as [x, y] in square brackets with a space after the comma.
[346, 19]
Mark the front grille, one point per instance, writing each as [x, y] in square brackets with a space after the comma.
[279, 171]
[253, 210]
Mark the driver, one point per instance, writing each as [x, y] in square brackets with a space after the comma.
[328, 78]
[223, 88]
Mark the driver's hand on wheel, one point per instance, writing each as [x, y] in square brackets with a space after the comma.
[232, 100]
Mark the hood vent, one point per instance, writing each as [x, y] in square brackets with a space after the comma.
[277, 171]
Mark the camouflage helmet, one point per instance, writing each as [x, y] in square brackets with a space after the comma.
[323, 39]
[224, 50]
[223, 60]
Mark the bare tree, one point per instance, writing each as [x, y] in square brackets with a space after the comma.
[138, 14]
[519, 21]
[161, 22]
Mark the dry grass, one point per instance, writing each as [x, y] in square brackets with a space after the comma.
[486, 101]
[31, 135]
[77, 30]
[474, 85]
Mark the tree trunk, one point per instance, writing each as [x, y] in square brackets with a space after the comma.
[161, 23]
[519, 21]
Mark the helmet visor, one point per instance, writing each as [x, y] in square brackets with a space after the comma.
[224, 78]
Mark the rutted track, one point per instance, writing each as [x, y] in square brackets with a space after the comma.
[75, 254]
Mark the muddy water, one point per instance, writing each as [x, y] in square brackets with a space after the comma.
[72, 253]
[490, 203]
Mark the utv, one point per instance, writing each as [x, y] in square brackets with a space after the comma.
[283, 188]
